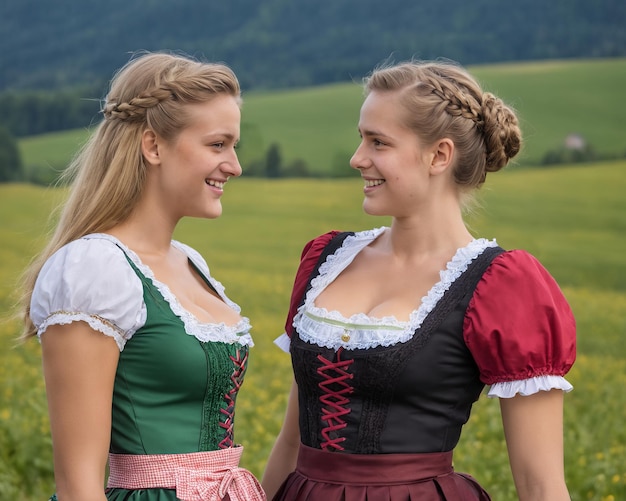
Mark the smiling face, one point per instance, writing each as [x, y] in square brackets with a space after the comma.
[391, 161]
[189, 172]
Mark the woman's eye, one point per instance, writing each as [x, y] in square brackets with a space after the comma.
[219, 146]
[377, 142]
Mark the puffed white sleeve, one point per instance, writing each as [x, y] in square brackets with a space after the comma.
[89, 280]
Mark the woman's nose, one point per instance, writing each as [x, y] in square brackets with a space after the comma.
[232, 167]
[357, 160]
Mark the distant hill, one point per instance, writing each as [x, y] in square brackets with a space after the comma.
[288, 43]
[317, 125]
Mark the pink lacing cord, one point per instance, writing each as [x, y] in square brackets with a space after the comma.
[334, 400]
[229, 411]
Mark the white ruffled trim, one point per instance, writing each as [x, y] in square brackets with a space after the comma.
[526, 387]
[97, 324]
[324, 333]
[283, 342]
[324, 328]
[205, 332]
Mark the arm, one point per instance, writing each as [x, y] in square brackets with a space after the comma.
[282, 459]
[79, 367]
[533, 428]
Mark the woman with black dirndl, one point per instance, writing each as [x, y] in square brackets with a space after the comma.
[395, 331]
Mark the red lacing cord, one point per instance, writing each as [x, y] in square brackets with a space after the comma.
[229, 411]
[334, 400]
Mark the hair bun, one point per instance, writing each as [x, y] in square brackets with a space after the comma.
[503, 137]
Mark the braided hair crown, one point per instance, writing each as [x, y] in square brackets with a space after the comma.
[161, 82]
[441, 99]
[134, 110]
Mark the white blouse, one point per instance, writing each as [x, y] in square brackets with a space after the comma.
[91, 280]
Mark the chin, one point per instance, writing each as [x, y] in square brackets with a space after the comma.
[211, 213]
[372, 210]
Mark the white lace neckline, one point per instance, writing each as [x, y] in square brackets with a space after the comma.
[325, 328]
[205, 332]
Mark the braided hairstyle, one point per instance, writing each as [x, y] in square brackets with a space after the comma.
[151, 91]
[444, 100]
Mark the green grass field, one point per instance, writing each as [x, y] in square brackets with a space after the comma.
[318, 125]
[572, 218]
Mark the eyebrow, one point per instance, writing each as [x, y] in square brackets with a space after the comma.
[225, 135]
[370, 133]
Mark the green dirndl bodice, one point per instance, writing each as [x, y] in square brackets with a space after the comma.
[172, 393]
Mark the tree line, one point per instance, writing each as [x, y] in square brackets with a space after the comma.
[28, 113]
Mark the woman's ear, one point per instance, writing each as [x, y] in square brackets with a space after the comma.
[150, 147]
[442, 156]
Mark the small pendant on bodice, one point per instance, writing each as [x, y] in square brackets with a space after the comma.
[345, 337]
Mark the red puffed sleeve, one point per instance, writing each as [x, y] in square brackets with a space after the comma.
[308, 260]
[518, 325]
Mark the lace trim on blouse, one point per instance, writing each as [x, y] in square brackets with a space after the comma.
[530, 386]
[360, 331]
[96, 322]
[205, 332]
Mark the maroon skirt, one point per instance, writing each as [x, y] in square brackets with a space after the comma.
[335, 476]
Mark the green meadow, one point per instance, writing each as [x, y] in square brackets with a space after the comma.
[573, 218]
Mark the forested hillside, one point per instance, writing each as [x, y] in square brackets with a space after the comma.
[284, 43]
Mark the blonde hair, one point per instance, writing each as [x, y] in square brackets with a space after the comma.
[444, 100]
[150, 92]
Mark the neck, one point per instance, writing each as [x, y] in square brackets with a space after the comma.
[146, 232]
[407, 241]
[435, 232]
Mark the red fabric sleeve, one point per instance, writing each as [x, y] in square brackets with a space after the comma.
[518, 324]
[308, 260]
